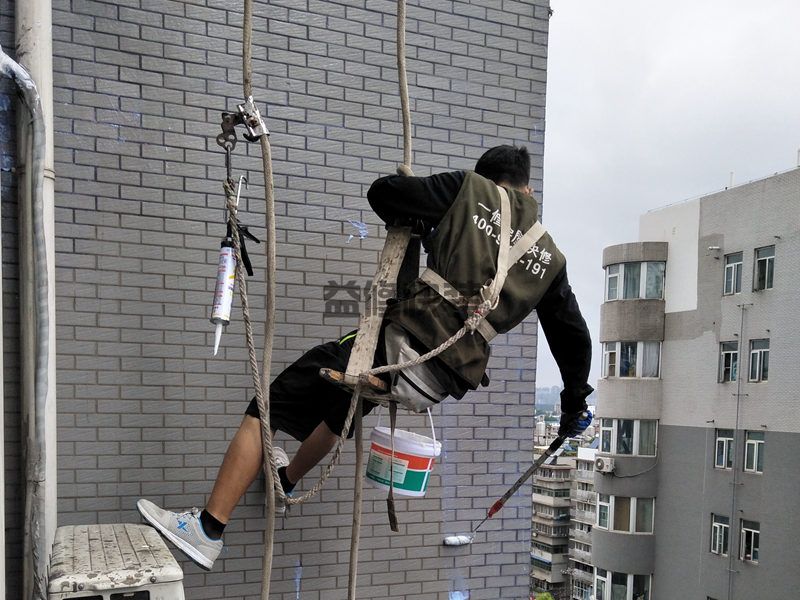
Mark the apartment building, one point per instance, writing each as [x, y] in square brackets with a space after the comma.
[550, 527]
[696, 474]
[582, 519]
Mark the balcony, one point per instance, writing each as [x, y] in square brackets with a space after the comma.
[584, 516]
[583, 475]
[581, 555]
[581, 536]
[580, 575]
[585, 496]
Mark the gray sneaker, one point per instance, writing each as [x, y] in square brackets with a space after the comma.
[281, 460]
[184, 530]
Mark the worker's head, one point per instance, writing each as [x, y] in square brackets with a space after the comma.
[506, 165]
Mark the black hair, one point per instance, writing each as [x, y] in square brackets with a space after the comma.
[505, 164]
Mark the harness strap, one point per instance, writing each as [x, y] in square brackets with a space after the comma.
[454, 297]
[507, 257]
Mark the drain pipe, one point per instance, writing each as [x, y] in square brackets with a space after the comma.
[35, 184]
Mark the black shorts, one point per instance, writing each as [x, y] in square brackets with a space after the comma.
[300, 399]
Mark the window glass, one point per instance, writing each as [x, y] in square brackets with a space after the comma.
[632, 280]
[619, 586]
[647, 438]
[612, 278]
[652, 352]
[729, 361]
[654, 282]
[644, 515]
[764, 268]
[627, 360]
[622, 513]
[641, 587]
[759, 360]
[625, 436]
[610, 359]
[733, 273]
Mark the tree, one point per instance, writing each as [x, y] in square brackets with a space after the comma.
[545, 596]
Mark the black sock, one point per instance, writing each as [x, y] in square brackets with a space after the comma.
[287, 485]
[211, 526]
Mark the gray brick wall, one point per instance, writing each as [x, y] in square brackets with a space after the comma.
[144, 410]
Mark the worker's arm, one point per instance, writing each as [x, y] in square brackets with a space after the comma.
[569, 341]
[397, 199]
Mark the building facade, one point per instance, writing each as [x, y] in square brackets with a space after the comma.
[143, 408]
[583, 501]
[699, 429]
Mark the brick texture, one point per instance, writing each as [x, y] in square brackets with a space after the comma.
[144, 409]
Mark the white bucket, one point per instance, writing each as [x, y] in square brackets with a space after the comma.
[412, 464]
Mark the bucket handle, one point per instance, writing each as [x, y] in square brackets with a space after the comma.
[430, 418]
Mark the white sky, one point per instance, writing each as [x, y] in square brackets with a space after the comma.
[650, 103]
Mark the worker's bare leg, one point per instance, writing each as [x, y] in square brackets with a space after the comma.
[243, 460]
[313, 449]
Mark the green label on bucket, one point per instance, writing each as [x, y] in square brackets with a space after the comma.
[378, 469]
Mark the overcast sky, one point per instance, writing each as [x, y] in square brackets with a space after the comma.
[651, 103]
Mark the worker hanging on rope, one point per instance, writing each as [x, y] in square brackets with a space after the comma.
[459, 216]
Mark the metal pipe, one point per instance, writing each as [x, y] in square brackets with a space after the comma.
[35, 185]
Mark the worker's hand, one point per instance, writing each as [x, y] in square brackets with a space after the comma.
[574, 424]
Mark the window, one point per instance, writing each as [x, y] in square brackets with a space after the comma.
[631, 359]
[733, 273]
[754, 452]
[654, 280]
[612, 282]
[603, 510]
[629, 281]
[720, 534]
[644, 515]
[728, 361]
[627, 359]
[759, 360]
[748, 550]
[625, 514]
[624, 436]
[764, 268]
[581, 589]
[610, 585]
[724, 451]
[610, 359]
[628, 436]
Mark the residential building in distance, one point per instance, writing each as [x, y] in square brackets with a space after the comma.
[582, 520]
[550, 527]
[696, 474]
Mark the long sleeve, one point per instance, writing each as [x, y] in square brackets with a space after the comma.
[409, 199]
[569, 341]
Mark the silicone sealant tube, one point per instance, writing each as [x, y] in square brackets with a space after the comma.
[223, 293]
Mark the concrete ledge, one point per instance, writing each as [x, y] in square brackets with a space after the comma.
[632, 320]
[629, 397]
[635, 252]
[623, 552]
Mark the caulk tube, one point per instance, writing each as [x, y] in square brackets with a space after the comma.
[223, 294]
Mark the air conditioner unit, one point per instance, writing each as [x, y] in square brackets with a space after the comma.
[604, 464]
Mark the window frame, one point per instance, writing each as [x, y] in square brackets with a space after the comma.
[619, 277]
[615, 349]
[602, 582]
[769, 269]
[751, 440]
[720, 435]
[720, 535]
[751, 529]
[761, 358]
[736, 268]
[633, 508]
[733, 368]
[613, 438]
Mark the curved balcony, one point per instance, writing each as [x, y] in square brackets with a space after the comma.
[635, 252]
[633, 476]
[641, 320]
[631, 397]
[623, 552]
